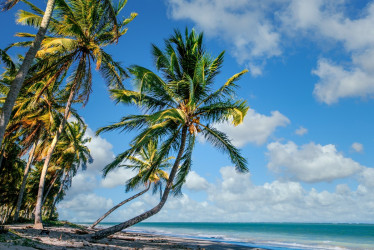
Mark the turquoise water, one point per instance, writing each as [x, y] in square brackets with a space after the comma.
[270, 235]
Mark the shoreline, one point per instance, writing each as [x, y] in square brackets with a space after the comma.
[24, 237]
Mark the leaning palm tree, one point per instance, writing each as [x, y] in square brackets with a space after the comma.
[42, 21]
[78, 34]
[71, 154]
[26, 64]
[176, 110]
[144, 162]
[35, 120]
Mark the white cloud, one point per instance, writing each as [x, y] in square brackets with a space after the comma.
[256, 128]
[84, 207]
[326, 20]
[80, 203]
[117, 177]
[301, 131]
[234, 197]
[357, 147]
[101, 151]
[195, 182]
[367, 177]
[310, 162]
[258, 30]
[336, 82]
[244, 25]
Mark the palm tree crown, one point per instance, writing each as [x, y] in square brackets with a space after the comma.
[184, 100]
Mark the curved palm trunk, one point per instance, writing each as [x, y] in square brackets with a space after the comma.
[49, 188]
[56, 195]
[24, 69]
[111, 230]
[38, 207]
[25, 174]
[118, 205]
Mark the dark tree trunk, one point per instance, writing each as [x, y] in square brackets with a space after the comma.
[25, 174]
[111, 230]
[118, 205]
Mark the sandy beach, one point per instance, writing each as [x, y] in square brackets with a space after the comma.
[23, 237]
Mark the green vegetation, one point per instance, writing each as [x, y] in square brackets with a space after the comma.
[178, 103]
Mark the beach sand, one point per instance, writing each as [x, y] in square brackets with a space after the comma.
[24, 237]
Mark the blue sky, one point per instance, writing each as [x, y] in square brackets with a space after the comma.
[308, 136]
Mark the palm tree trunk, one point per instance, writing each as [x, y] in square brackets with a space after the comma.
[56, 195]
[24, 69]
[38, 207]
[111, 230]
[25, 174]
[118, 205]
[49, 188]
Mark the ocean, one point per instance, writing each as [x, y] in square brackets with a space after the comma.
[277, 236]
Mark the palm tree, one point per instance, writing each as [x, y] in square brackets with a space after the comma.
[36, 117]
[71, 153]
[10, 176]
[7, 4]
[26, 64]
[176, 109]
[79, 32]
[109, 14]
[143, 163]
[31, 118]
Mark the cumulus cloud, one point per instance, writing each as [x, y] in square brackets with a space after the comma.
[101, 151]
[235, 194]
[246, 25]
[301, 131]
[117, 177]
[234, 197]
[258, 30]
[80, 203]
[310, 162]
[337, 82]
[84, 207]
[357, 147]
[327, 20]
[256, 128]
[195, 182]
[366, 177]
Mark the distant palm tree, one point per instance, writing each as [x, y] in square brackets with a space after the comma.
[35, 119]
[144, 162]
[79, 32]
[177, 109]
[71, 154]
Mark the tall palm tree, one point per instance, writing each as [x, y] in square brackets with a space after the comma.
[79, 32]
[36, 117]
[176, 109]
[26, 64]
[144, 162]
[32, 119]
[109, 12]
